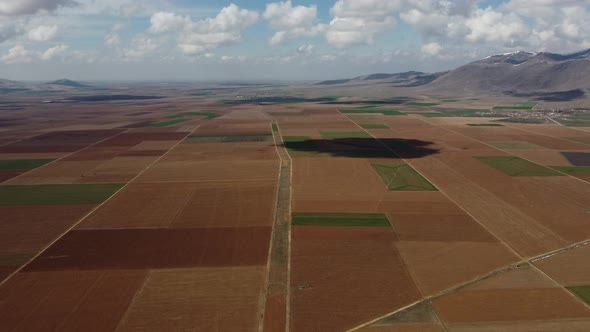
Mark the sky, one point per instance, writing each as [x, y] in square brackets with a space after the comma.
[201, 40]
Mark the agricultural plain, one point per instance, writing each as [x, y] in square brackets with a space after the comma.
[220, 211]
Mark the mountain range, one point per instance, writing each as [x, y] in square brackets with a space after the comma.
[518, 73]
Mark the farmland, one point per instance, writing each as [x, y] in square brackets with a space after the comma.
[205, 211]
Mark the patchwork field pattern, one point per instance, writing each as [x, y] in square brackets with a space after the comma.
[187, 213]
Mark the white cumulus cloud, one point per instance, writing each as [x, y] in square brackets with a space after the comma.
[17, 54]
[27, 7]
[292, 22]
[54, 52]
[431, 49]
[359, 22]
[113, 38]
[202, 36]
[43, 33]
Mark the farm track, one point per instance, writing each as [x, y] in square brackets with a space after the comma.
[275, 310]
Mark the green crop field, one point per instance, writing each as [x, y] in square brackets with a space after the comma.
[515, 108]
[372, 110]
[275, 128]
[339, 219]
[485, 125]
[166, 123]
[207, 115]
[465, 112]
[343, 134]
[431, 114]
[515, 166]
[57, 194]
[573, 170]
[16, 164]
[575, 120]
[582, 292]
[402, 178]
[514, 145]
[374, 126]
[423, 104]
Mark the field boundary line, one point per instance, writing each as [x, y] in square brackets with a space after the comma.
[90, 212]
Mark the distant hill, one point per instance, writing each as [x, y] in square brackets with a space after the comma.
[519, 73]
[7, 86]
[390, 78]
[68, 83]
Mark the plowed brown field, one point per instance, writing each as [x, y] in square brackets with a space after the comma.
[155, 248]
[333, 267]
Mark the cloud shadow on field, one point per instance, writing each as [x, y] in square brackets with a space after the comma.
[359, 147]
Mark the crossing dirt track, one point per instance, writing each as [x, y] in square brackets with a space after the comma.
[293, 217]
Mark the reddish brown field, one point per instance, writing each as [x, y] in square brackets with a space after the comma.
[436, 266]
[6, 175]
[140, 205]
[569, 268]
[439, 227]
[275, 314]
[155, 248]
[333, 267]
[238, 204]
[391, 202]
[119, 169]
[186, 205]
[96, 153]
[230, 170]
[67, 300]
[404, 328]
[519, 299]
[134, 138]
[222, 151]
[201, 299]
[342, 178]
[59, 141]
[509, 305]
[27, 229]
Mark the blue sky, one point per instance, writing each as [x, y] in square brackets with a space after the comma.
[289, 40]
